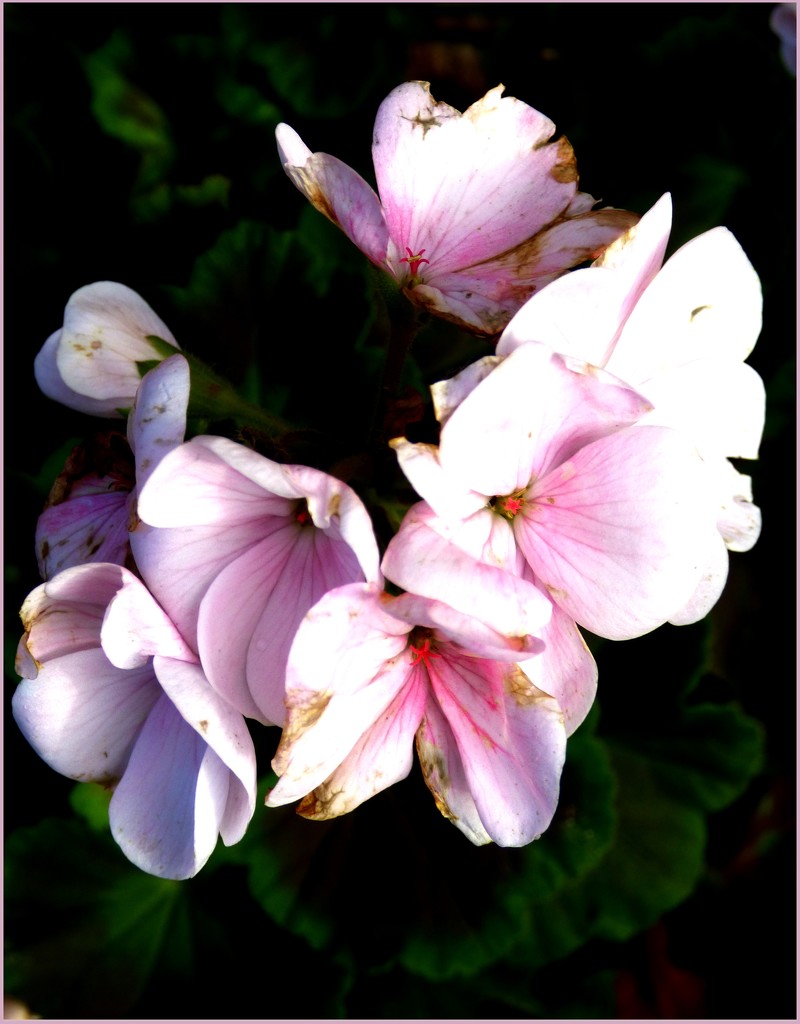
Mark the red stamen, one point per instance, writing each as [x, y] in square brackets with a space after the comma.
[513, 505]
[413, 261]
[423, 653]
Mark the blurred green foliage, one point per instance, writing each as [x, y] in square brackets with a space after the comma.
[140, 149]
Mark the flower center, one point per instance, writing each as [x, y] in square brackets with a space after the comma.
[508, 505]
[421, 647]
[413, 260]
[301, 513]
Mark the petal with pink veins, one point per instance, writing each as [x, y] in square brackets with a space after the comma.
[530, 413]
[337, 191]
[618, 534]
[511, 742]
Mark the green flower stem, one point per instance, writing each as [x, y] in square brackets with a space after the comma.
[214, 398]
[404, 323]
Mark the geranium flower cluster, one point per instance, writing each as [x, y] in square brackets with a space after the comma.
[196, 589]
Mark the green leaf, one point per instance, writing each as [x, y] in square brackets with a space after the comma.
[668, 780]
[126, 112]
[90, 802]
[395, 883]
[84, 929]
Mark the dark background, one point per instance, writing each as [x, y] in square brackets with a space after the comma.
[139, 138]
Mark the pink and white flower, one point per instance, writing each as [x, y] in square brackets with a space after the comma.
[92, 362]
[679, 334]
[474, 212]
[483, 574]
[111, 693]
[89, 510]
[237, 548]
[544, 460]
[369, 674]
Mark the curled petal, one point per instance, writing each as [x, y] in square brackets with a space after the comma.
[166, 811]
[81, 714]
[424, 561]
[337, 191]
[223, 729]
[104, 336]
[157, 422]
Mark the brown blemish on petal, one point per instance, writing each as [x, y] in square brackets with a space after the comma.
[299, 718]
[565, 169]
[434, 771]
[314, 193]
[519, 687]
[203, 725]
[558, 595]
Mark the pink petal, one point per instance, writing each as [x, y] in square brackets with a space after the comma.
[530, 413]
[444, 774]
[705, 301]
[337, 191]
[511, 742]
[426, 562]
[463, 631]
[619, 534]
[448, 394]
[104, 335]
[135, 627]
[421, 465]
[565, 669]
[92, 528]
[342, 675]
[467, 186]
[64, 614]
[81, 714]
[252, 609]
[581, 314]
[157, 422]
[225, 732]
[738, 519]
[709, 589]
[486, 295]
[721, 404]
[382, 756]
[166, 811]
[48, 377]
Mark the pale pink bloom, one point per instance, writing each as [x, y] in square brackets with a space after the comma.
[474, 211]
[237, 548]
[678, 333]
[112, 694]
[478, 569]
[91, 505]
[543, 457]
[369, 674]
[90, 363]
